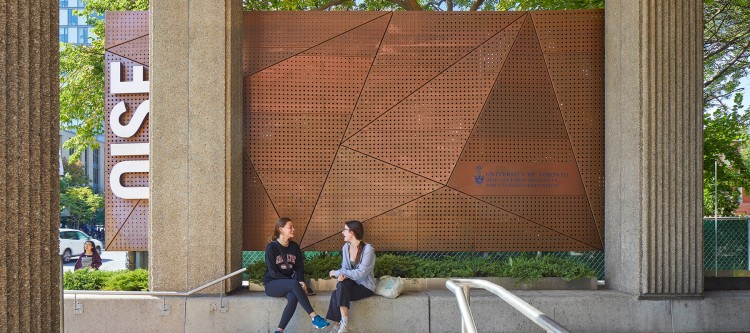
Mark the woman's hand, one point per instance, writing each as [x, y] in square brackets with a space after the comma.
[332, 274]
[341, 277]
[303, 285]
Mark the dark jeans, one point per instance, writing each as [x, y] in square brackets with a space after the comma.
[293, 292]
[346, 291]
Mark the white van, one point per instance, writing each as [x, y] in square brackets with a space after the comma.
[71, 243]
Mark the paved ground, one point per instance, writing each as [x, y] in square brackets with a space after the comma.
[111, 261]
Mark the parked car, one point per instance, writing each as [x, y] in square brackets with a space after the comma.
[71, 243]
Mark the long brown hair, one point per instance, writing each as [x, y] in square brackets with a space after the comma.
[280, 223]
[359, 233]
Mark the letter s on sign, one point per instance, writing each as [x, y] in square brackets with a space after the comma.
[134, 125]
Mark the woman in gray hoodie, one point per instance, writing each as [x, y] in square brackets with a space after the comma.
[356, 276]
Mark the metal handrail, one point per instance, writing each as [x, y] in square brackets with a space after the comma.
[460, 287]
[156, 293]
[165, 308]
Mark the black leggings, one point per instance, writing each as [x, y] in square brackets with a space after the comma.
[346, 291]
[293, 292]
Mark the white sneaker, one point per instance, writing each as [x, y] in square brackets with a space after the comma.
[343, 328]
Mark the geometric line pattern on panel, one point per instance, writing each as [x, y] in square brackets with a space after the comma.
[126, 220]
[269, 38]
[413, 53]
[576, 70]
[440, 131]
[298, 112]
[521, 128]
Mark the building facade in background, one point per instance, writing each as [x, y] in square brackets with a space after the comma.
[92, 160]
[73, 29]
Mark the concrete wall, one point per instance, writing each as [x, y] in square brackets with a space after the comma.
[432, 311]
[29, 198]
[196, 139]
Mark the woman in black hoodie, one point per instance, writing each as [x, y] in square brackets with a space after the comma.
[285, 274]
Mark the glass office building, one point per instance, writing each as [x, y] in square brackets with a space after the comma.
[73, 29]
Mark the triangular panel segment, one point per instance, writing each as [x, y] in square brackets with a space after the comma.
[503, 231]
[520, 144]
[135, 23]
[376, 187]
[262, 49]
[130, 231]
[572, 44]
[416, 48]
[362, 41]
[258, 211]
[135, 50]
[426, 132]
[572, 216]
[293, 194]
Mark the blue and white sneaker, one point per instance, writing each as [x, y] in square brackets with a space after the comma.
[319, 322]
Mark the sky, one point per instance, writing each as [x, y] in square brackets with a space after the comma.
[744, 83]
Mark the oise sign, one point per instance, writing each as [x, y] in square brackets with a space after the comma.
[116, 87]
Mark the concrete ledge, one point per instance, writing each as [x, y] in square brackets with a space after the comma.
[432, 311]
[123, 314]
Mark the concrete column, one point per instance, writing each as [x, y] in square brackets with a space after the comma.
[29, 143]
[654, 144]
[196, 143]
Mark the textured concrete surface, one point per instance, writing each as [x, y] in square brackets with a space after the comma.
[432, 311]
[123, 314]
[29, 199]
[196, 142]
[653, 147]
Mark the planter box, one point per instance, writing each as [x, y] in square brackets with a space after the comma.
[424, 284]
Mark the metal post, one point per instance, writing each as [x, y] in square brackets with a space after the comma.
[716, 216]
[467, 293]
[62, 298]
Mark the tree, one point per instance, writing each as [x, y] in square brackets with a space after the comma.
[726, 132]
[82, 204]
[77, 199]
[82, 79]
[726, 54]
[726, 49]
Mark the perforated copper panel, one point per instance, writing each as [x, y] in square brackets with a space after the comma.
[441, 131]
[126, 220]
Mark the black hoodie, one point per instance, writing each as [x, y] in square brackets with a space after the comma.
[277, 269]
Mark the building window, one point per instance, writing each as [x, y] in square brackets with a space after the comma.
[72, 18]
[86, 163]
[64, 35]
[83, 35]
[95, 173]
[63, 17]
[70, 151]
[63, 3]
[72, 33]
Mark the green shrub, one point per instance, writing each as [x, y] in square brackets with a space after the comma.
[319, 265]
[256, 270]
[85, 279]
[523, 269]
[136, 280]
[396, 265]
[529, 269]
